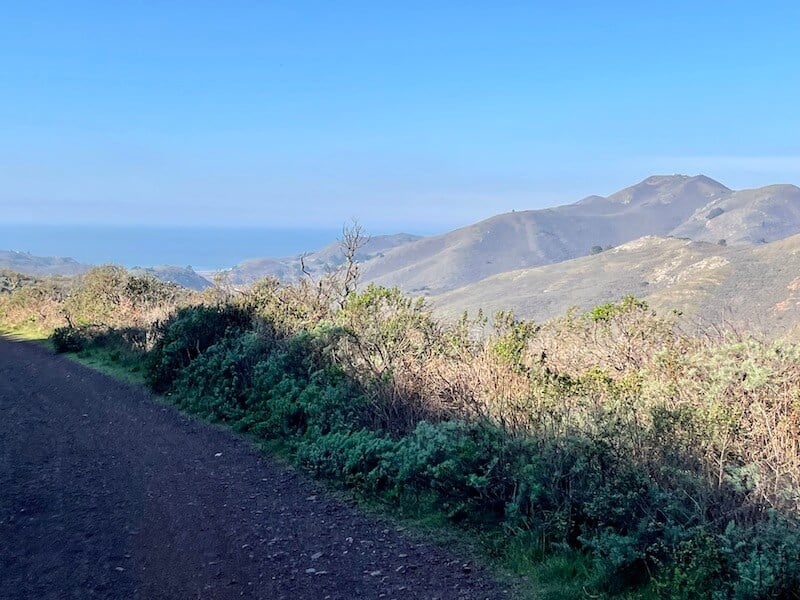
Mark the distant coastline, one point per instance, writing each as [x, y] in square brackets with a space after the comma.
[202, 248]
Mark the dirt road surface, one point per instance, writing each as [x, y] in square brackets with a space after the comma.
[105, 493]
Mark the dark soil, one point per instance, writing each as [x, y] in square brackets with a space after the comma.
[105, 493]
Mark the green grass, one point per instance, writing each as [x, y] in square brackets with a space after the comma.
[116, 363]
[27, 332]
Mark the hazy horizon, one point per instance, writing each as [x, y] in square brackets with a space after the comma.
[202, 248]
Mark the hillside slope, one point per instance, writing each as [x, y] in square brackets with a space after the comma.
[746, 217]
[754, 286]
[289, 269]
[694, 207]
[182, 276]
[28, 264]
[517, 240]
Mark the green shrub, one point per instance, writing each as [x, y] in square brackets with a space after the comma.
[188, 333]
[67, 339]
[697, 568]
[510, 340]
[361, 459]
[766, 558]
[277, 388]
[462, 463]
[607, 435]
[297, 392]
[218, 381]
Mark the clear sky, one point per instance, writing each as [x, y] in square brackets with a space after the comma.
[416, 115]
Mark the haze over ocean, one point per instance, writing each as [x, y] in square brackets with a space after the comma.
[204, 248]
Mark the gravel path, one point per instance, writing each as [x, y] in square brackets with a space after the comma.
[105, 493]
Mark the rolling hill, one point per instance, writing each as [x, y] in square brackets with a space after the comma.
[660, 239]
[746, 217]
[694, 207]
[289, 269]
[28, 264]
[753, 287]
[532, 238]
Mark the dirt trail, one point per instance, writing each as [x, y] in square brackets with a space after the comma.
[105, 493]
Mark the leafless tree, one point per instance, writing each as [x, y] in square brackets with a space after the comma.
[352, 240]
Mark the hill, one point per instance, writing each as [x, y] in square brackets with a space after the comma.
[28, 264]
[694, 207]
[753, 286]
[289, 269]
[746, 217]
[532, 238]
[25, 263]
[182, 276]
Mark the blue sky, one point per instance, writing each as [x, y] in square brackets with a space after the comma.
[414, 115]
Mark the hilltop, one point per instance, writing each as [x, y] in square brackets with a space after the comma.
[28, 264]
[658, 206]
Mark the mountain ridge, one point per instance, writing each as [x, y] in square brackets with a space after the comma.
[523, 239]
[692, 206]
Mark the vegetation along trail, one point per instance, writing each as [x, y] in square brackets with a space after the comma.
[105, 493]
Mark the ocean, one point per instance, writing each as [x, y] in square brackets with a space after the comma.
[202, 248]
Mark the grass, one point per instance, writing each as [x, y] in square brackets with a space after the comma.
[121, 365]
[26, 332]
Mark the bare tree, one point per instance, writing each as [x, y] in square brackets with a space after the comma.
[352, 240]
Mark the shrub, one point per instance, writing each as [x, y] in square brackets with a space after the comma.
[109, 296]
[188, 333]
[33, 303]
[667, 460]
[387, 344]
[297, 392]
[67, 339]
[218, 381]
[360, 459]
